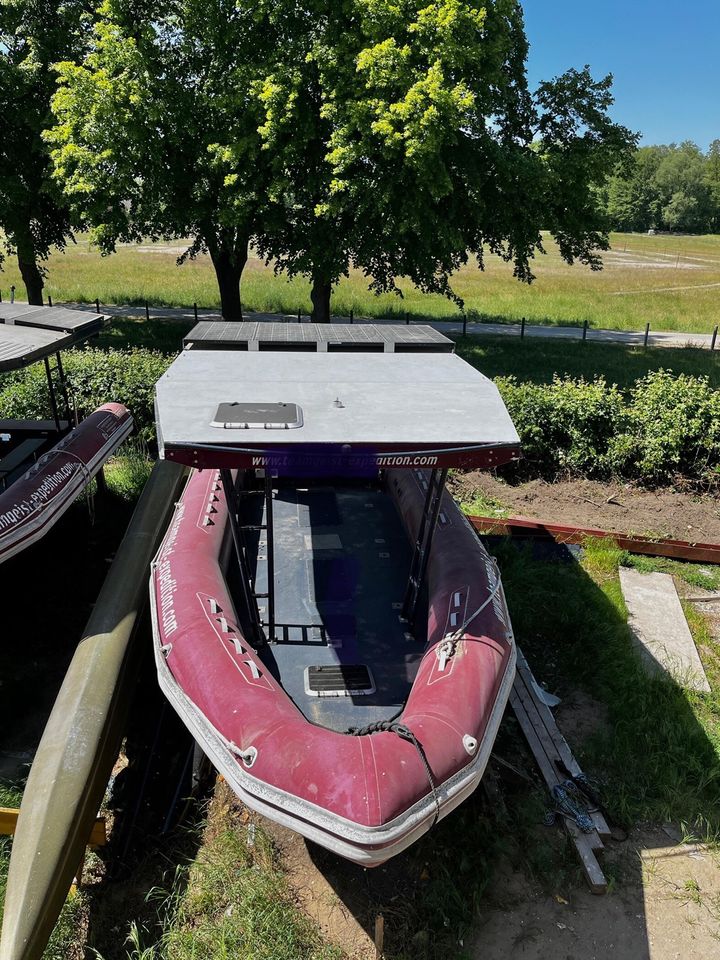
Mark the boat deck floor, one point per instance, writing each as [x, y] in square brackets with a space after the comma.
[341, 564]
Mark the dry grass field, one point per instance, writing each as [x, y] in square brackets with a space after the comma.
[671, 281]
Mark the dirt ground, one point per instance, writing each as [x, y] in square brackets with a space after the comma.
[664, 906]
[622, 508]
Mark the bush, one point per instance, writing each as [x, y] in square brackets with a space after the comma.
[673, 429]
[566, 426]
[94, 377]
[665, 427]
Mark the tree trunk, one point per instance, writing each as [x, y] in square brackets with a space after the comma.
[320, 296]
[228, 270]
[29, 270]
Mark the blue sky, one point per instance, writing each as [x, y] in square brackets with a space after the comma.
[665, 57]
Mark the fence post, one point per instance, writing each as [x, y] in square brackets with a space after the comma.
[407, 319]
[585, 329]
[0, 296]
[147, 310]
[196, 313]
[97, 305]
[12, 294]
[522, 329]
[49, 299]
[714, 339]
[464, 324]
[299, 316]
[352, 315]
[647, 334]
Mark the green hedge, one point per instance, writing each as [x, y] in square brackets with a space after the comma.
[666, 427]
[95, 377]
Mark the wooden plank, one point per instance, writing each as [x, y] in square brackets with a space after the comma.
[8, 825]
[548, 747]
[593, 872]
[557, 748]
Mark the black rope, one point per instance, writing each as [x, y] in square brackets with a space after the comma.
[405, 733]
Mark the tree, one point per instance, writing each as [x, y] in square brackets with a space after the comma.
[33, 215]
[156, 132]
[674, 187]
[634, 202]
[404, 140]
[397, 136]
[712, 179]
[682, 190]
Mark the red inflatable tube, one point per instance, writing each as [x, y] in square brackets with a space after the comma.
[31, 505]
[365, 797]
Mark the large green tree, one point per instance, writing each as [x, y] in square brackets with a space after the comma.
[33, 214]
[397, 136]
[156, 132]
[405, 140]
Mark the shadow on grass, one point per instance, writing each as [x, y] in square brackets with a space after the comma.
[163, 335]
[537, 360]
[157, 811]
[652, 756]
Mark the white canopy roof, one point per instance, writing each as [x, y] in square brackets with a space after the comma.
[349, 404]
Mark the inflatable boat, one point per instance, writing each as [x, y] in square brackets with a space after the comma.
[326, 622]
[45, 464]
[34, 502]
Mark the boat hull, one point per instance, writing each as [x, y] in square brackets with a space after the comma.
[37, 500]
[366, 797]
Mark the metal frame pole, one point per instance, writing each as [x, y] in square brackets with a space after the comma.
[53, 398]
[248, 594]
[71, 412]
[269, 532]
[423, 543]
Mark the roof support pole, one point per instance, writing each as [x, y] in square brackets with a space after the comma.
[71, 414]
[269, 532]
[53, 398]
[423, 543]
[249, 596]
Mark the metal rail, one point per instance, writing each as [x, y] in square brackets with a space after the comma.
[676, 549]
[250, 597]
[423, 543]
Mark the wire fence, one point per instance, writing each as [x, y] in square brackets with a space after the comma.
[627, 336]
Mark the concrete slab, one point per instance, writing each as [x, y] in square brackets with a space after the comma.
[660, 629]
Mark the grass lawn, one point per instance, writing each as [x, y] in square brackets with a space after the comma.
[672, 282]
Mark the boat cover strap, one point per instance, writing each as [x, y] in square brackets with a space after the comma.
[405, 733]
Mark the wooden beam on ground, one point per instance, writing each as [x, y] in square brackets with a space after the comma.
[675, 549]
[549, 748]
[8, 824]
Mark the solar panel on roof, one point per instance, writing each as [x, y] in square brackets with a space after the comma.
[60, 319]
[20, 346]
[29, 333]
[249, 335]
